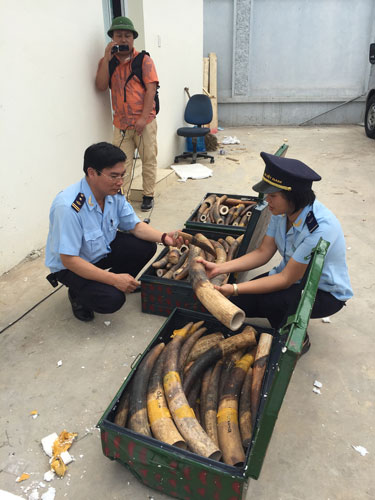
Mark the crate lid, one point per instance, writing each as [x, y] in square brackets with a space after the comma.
[274, 391]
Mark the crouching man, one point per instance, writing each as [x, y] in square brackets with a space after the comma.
[94, 229]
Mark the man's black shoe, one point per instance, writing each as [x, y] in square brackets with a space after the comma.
[147, 203]
[79, 311]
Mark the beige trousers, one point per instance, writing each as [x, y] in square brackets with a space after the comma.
[147, 147]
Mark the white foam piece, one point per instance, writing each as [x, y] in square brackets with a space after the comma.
[49, 494]
[47, 443]
[66, 457]
[49, 476]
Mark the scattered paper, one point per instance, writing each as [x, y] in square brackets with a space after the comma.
[59, 363]
[361, 449]
[228, 139]
[316, 390]
[326, 320]
[192, 171]
[318, 384]
[107, 323]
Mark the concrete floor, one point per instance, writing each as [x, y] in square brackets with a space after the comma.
[311, 454]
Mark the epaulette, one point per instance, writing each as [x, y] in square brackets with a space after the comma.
[78, 202]
[121, 191]
[311, 222]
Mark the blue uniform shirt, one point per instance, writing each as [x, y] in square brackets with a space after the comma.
[299, 242]
[89, 232]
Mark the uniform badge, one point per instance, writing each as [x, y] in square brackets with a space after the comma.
[311, 222]
[78, 202]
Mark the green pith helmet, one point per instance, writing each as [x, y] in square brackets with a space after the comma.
[121, 23]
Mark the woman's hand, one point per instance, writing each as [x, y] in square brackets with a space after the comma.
[226, 290]
[212, 269]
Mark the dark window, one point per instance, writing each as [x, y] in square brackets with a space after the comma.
[117, 8]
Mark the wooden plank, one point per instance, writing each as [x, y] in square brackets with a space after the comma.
[212, 88]
[206, 65]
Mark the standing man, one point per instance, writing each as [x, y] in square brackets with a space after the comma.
[133, 102]
[93, 228]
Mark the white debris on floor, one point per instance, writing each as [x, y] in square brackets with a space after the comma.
[361, 449]
[228, 139]
[34, 495]
[66, 457]
[316, 390]
[49, 494]
[318, 384]
[49, 476]
[47, 443]
[59, 363]
[107, 323]
[192, 171]
[326, 320]
[5, 495]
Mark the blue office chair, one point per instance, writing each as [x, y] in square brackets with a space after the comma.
[198, 112]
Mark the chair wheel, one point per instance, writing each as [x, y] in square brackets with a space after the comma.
[212, 160]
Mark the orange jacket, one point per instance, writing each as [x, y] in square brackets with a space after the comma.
[127, 113]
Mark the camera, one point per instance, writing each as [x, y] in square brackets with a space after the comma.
[120, 48]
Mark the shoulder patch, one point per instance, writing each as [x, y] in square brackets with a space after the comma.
[311, 222]
[78, 202]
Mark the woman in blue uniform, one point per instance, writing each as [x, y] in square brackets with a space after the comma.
[297, 223]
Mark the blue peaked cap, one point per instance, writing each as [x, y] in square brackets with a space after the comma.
[285, 174]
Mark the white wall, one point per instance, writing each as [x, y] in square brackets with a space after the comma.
[49, 108]
[173, 35]
[49, 112]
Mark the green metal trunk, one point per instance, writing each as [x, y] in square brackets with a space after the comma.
[186, 475]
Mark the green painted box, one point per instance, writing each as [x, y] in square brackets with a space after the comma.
[186, 475]
[252, 234]
[160, 295]
[256, 228]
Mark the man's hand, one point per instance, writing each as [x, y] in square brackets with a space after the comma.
[125, 282]
[174, 240]
[140, 125]
[107, 53]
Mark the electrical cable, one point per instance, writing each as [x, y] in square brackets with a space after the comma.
[29, 310]
[133, 168]
[332, 109]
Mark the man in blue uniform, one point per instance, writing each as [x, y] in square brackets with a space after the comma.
[298, 222]
[92, 229]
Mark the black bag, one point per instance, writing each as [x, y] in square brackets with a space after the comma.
[136, 71]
